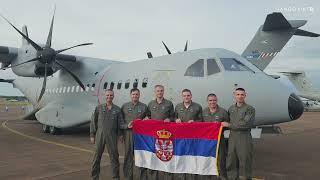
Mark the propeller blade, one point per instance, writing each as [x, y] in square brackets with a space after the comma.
[49, 39]
[35, 45]
[73, 75]
[31, 60]
[186, 46]
[84, 44]
[43, 89]
[169, 52]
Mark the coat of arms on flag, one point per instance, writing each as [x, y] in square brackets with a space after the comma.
[164, 145]
[177, 147]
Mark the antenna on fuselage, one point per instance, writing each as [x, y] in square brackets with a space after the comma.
[149, 54]
[169, 52]
[186, 46]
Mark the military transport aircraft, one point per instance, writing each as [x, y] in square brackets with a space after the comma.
[65, 89]
[303, 85]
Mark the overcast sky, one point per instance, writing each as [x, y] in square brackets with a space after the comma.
[126, 30]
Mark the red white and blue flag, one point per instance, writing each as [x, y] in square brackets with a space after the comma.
[177, 147]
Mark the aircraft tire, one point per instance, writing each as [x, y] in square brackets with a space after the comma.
[53, 130]
[45, 128]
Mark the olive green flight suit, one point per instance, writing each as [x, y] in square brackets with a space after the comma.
[240, 150]
[105, 127]
[130, 112]
[221, 115]
[159, 111]
[193, 112]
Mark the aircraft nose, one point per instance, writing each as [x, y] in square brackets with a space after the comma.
[295, 106]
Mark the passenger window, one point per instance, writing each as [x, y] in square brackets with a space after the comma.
[135, 83]
[196, 69]
[111, 85]
[231, 64]
[105, 85]
[127, 84]
[212, 67]
[119, 84]
[144, 82]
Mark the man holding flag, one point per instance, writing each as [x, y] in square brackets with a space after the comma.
[187, 111]
[240, 150]
[131, 110]
[215, 113]
[159, 109]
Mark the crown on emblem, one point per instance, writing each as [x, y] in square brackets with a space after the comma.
[164, 134]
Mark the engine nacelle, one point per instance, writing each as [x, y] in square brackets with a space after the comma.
[34, 69]
[39, 69]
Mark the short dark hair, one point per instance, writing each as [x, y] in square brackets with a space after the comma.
[186, 90]
[134, 89]
[240, 89]
[211, 95]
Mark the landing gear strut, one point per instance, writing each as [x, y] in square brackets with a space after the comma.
[45, 128]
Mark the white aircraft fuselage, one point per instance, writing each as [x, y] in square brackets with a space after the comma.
[64, 104]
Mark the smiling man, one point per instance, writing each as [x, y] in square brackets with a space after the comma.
[104, 132]
[215, 113]
[131, 110]
[240, 149]
[159, 109]
[187, 111]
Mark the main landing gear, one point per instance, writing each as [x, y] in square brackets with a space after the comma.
[50, 129]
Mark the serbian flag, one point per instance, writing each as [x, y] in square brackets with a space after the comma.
[177, 147]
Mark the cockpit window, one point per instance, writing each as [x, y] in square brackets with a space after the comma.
[231, 64]
[212, 67]
[196, 69]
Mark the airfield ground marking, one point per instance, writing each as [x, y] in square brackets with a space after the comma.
[4, 125]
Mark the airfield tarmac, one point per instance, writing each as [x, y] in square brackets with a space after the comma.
[26, 153]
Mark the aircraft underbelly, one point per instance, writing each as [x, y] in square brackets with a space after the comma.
[65, 115]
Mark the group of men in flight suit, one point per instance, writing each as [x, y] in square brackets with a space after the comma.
[111, 123]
